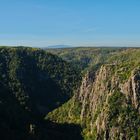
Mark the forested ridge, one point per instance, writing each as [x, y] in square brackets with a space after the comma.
[69, 94]
[32, 83]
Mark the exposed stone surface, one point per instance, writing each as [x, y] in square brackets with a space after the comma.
[94, 95]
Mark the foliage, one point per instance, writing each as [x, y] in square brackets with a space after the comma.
[84, 58]
[33, 83]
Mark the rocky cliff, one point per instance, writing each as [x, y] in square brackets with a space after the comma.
[106, 105]
[109, 104]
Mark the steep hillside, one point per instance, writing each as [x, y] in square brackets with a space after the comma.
[32, 83]
[32, 73]
[107, 104]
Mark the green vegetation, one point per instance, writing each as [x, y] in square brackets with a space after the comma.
[115, 101]
[33, 83]
[30, 72]
[121, 113]
[66, 113]
[89, 59]
[39, 83]
[84, 57]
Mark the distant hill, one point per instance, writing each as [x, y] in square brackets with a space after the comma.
[85, 57]
[59, 46]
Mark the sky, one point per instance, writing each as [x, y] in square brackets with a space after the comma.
[40, 23]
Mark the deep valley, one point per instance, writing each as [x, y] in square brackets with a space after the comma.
[69, 94]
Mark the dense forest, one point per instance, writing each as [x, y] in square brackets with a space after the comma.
[69, 94]
[32, 83]
[84, 58]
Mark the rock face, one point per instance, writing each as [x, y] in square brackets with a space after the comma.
[132, 88]
[110, 108]
[107, 104]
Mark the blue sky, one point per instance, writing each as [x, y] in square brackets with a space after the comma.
[72, 22]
